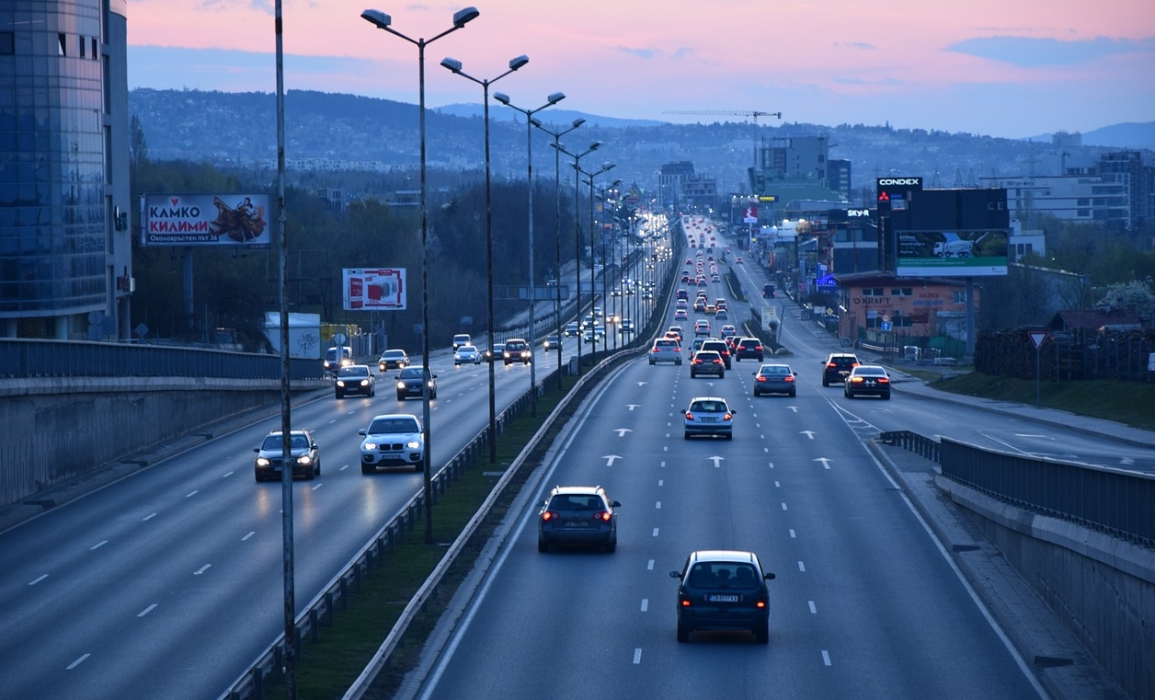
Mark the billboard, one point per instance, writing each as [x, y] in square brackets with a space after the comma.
[376, 289]
[951, 253]
[206, 220]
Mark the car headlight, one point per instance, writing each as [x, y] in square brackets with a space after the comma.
[341, 382]
[400, 385]
[413, 444]
[364, 382]
[368, 445]
[262, 462]
[304, 459]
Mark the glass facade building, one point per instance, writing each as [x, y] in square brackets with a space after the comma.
[62, 185]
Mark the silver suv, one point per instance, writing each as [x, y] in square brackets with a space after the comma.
[392, 440]
[666, 350]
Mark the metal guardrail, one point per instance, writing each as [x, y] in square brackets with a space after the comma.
[22, 358]
[1114, 501]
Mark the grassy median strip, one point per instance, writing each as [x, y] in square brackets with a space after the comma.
[329, 666]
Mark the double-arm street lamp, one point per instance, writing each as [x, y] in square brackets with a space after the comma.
[383, 21]
[549, 102]
[609, 308]
[606, 167]
[577, 238]
[557, 193]
[455, 66]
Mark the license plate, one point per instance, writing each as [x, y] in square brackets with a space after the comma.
[718, 598]
[577, 524]
[709, 420]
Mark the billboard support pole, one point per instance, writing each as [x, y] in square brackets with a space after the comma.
[188, 289]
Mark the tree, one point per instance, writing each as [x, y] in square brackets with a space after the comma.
[1134, 295]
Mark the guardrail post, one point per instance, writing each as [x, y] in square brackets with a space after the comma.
[314, 626]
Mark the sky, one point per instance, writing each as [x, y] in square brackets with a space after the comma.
[1008, 68]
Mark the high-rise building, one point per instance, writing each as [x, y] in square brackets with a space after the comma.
[65, 239]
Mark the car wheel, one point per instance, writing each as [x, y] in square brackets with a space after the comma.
[729, 436]
[793, 394]
[886, 397]
[542, 545]
[366, 469]
[762, 633]
[373, 392]
[683, 632]
[612, 545]
[825, 383]
[651, 363]
[678, 363]
[257, 477]
[686, 436]
[721, 375]
[400, 397]
[311, 475]
[847, 394]
[693, 374]
[737, 359]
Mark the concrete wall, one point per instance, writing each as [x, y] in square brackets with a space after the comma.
[1101, 586]
[54, 431]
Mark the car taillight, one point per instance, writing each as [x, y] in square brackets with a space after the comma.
[760, 378]
[718, 361]
[789, 378]
[856, 380]
[884, 380]
[758, 348]
[760, 604]
[549, 515]
[689, 416]
[831, 365]
[603, 516]
[727, 417]
[685, 602]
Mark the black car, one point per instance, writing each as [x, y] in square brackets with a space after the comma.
[867, 380]
[305, 453]
[355, 379]
[748, 349]
[837, 366]
[720, 347]
[723, 590]
[707, 362]
[578, 515]
[410, 383]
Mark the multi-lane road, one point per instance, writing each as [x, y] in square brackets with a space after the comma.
[168, 583]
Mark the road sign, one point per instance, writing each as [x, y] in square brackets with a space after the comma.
[1037, 337]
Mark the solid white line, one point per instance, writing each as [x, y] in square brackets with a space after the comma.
[637, 656]
[98, 545]
[825, 657]
[317, 487]
[645, 604]
[801, 566]
[148, 517]
[146, 611]
[76, 663]
[655, 532]
[813, 610]
[192, 494]
[227, 474]
[658, 505]
[783, 506]
[247, 536]
[649, 567]
[792, 533]
[41, 577]
[343, 467]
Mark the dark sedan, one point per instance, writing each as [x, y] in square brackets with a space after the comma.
[411, 381]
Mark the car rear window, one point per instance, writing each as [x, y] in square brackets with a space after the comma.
[708, 407]
[589, 502]
[723, 575]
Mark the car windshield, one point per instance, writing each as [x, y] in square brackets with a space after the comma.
[708, 406]
[273, 442]
[384, 426]
[723, 575]
[354, 372]
[411, 373]
[394, 354]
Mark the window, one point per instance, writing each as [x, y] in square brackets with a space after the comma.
[80, 46]
[959, 296]
[873, 292]
[7, 43]
[61, 40]
[903, 292]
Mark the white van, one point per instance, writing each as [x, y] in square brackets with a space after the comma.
[912, 353]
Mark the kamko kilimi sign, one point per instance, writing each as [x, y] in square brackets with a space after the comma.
[196, 220]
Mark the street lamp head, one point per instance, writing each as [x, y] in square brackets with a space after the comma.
[555, 98]
[452, 64]
[501, 97]
[577, 122]
[463, 17]
[377, 18]
[595, 145]
[518, 62]
[535, 121]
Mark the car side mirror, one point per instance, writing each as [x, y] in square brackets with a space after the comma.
[733, 411]
[675, 574]
[769, 576]
[434, 376]
[616, 504]
[256, 449]
[362, 432]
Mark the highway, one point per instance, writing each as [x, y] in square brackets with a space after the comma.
[168, 583]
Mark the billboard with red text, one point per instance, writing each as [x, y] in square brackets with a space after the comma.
[206, 220]
[374, 289]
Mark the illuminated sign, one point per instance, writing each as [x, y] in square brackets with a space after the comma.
[198, 220]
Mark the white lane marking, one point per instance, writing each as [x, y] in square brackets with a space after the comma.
[784, 506]
[38, 579]
[658, 505]
[192, 494]
[808, 433]
[227, 474]
[771, 465]
[146, 611]
[661, 482]
[813, 610]
[622, 431]
[717, 460]
[610, 459]
[765, 449]
[663, 464]
[649, 567]
[825, 657]
[801, 566]
[148, 517]
[655, 532]
[98, 545]
[637, 656]
[632, 406]
[825, 461]
[645, 604]
[777, 485]
[201, 570]
[317, 487]
[666, 448]
[332, 421]
[247, 536]
[792, 535]
[76, 663]
[343, 467]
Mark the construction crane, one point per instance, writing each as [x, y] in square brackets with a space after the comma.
[750, 114]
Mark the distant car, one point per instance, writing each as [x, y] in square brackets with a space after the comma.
[336, 358]
[775, 379]
[748, 349]
[302, 448]
[517, 350]
[392, 440]
[498, 349]
[411, 381]
[582, 515]
[355, 379]
[700, 305]
[720, 304]
[707, 362]
[626, 326]
[702, 327]
[738, 260]
[837, 366]
[681, 304]
[722, 314]
[392, 359]
[709, 415]
[681, 315]
[728, 331]
[683, 294]
[461, 339]
[551, 342]
[676, 333]
[467, 354]
[723, 590]
[720, 347]
[666, 350]
[647, 295]
[696, 345]
[867, 380]
[711, 310]
[572, 329]
[701, 281]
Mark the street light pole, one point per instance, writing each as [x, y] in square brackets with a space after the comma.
[549, 102]
[593, 288]
[557, 193]
[577, 253]
[383, 21]
[455, 67]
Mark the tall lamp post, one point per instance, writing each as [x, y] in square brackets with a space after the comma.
[557, 193]
[602, 193]
[455, 67]
[593, 293]
[383, 21]
[549, 102]
[577, 237]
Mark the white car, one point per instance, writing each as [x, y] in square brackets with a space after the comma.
[392, 440]
[466, 353]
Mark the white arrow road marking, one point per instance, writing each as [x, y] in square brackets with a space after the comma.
[793, 408]
[825, 462]
[632, 406]
[201, 570]
[610, 459]
[808, 433]
[641, 383]
[717, 461]
[622, 431]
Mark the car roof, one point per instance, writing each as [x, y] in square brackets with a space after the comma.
[871, 368]
[564, 490]
[731, 555]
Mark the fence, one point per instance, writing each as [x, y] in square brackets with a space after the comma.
[1123, 355]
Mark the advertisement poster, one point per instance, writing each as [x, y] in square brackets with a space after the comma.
[206, 220]
[951, 253]
[374, 289]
